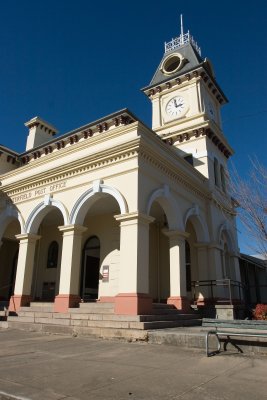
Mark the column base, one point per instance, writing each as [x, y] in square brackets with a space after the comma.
[19, 300]
[133, 304]
[65, 301]
[180, 302]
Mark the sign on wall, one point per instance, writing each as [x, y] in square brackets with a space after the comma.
[105, 273]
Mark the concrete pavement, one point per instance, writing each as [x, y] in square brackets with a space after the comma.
[54, 367]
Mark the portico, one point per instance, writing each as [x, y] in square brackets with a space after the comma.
[117, 212]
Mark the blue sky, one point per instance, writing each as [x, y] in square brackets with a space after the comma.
[71, 62]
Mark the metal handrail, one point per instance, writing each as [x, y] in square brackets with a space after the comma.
[214, 283]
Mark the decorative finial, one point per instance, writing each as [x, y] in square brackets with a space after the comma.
[182, 29]
[181, 40]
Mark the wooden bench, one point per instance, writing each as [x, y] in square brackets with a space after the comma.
[228, 334]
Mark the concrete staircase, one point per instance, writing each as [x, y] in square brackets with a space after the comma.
[98, 319]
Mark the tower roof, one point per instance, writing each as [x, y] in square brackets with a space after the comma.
[188, 52]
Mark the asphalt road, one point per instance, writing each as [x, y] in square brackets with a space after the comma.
[46, 367]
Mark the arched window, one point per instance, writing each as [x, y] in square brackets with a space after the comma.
[223, 179]
[52, 255]
[216, 171]
[188, 266]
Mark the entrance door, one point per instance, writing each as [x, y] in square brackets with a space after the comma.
[91, 264]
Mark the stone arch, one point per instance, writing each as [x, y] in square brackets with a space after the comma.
[80, 208]
[200, 226]
[225, 230]
[9, 214]
[41, 210]
[169, 206]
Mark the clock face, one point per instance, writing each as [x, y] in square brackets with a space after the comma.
[176, 106]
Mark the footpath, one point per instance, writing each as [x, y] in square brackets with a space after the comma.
[56, 367]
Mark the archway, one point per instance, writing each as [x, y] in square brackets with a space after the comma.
[159, 255]
[46, 274]
[100, 258]
[228, 271]
[9, 247]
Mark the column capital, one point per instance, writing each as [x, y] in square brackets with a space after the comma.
[201, 245]
[175, 234]
[78, 229]
[215, 246]
[28, 237]
[234, 255]
[132, 218]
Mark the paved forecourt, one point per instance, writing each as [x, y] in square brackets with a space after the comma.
[52, 367]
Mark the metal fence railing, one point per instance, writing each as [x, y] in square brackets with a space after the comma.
[218, 290]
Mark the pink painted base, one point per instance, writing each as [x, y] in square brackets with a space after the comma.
[65, 301]
[16, 301]
[133, 304]
[107, 299]
[181, 303]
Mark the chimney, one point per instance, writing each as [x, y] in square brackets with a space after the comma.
[40, 132]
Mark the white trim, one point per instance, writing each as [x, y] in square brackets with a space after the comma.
[7, 216]
[36, 215]
[170, 207]
[78, 211]
[200, 225]
[226, 228]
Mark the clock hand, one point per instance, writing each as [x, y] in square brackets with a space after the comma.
[175, 103]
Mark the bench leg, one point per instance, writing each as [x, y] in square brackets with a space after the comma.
[209, 333]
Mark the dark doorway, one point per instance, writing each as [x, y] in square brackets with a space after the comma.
[91, 264]
[13, 274]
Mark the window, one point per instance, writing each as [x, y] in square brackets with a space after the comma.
[223, 179]
[172, 63]
[52, 255]
[216, 172]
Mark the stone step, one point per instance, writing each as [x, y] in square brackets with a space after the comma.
[96, 304]
[171, 324]
[44, 308]
[108, 317]
[168, 317]
[3, 313]
[163, 306]
[41, 303]
[102, 332]
[120, 322]
[160, 311]
[91, 310]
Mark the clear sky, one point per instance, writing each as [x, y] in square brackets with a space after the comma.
[72, 62]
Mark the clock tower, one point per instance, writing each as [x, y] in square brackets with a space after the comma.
[186, 103]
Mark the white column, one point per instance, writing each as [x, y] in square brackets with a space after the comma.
[217, 270]
[70, 267]
[22, 292]
[178, 293]
[133, 296]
